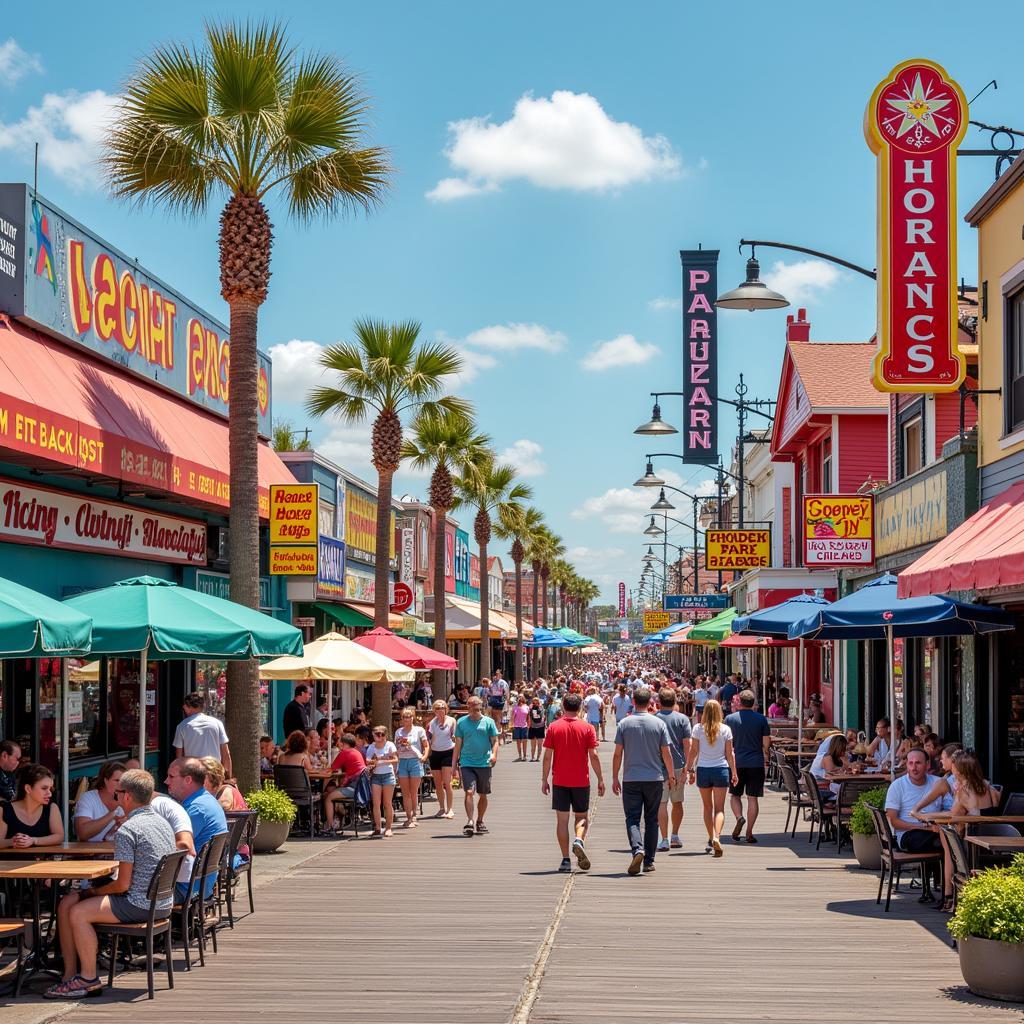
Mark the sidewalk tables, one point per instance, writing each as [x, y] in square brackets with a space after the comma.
[945, 818]
[859, 776]
[998, 844]
[88, 850]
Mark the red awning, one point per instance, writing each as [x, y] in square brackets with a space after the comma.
[70, 410]
[985, 552]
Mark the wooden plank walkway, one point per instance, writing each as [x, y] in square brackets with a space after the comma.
[432, 927]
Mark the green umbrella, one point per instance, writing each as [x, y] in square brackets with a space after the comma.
[33, 625]
[576, 638]
[714, 630]
[158, 620]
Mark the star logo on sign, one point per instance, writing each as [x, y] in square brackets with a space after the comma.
[918, 108]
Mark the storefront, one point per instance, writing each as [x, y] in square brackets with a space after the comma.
[113, 464]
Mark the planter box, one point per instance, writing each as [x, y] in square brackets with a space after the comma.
[868, 851]
[270, 835]
[993, 969]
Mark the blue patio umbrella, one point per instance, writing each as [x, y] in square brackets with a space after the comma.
[875, 613]
[547, 638]
[663, 634]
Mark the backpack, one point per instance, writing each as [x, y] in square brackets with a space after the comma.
[362, 793]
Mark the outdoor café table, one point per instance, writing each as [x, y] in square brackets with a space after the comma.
[39, 871]
[89, 850]
[945, 818]
[855, 776]
[998, 844]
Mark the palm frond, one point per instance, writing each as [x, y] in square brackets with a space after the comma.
[335, 183]
[323, 400]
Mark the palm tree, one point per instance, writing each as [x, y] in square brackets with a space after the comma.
[520, 525]
[489, 488]
[550, 548]
[447, 441]
[244, 117]
[384, 372]
[283, 438]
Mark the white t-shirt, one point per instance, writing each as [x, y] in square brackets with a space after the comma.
[409, 741]
[903, 796]
[177, 817]
[700, 697]
[388, 750]
[592, 704]
[442, 737]
[200, 735]
[91, 807]
[711, 755]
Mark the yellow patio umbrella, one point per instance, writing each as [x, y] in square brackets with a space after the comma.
[333, 657]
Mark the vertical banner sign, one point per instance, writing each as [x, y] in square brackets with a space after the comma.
[700, 356]
[914, 122]
[622, 600]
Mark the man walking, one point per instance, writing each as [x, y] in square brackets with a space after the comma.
[643, 755]
[474, 756]
[751, 737]
[593, 706]
[200, 735]
[678, 726]
[571, 745]
[497, 697]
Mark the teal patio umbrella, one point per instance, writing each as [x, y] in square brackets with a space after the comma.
[158, 620]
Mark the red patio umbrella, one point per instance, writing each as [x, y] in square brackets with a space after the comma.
[406, 652]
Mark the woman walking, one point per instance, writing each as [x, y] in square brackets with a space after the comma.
[521, 726]
[381, 758]
[537, 728]
[413, 748]
[441, 730]
[712, 757]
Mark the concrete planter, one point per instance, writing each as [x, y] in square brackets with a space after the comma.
[868, 851]
[270, 835]
[993, 969]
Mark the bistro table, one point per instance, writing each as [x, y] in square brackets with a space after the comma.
[856, 776]
[39, 871]
[998, 844]
[72, 849]
[945, 818]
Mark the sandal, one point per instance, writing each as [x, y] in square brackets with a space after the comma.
[946, 906]
[481, 829]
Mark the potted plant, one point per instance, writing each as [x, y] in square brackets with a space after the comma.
[866, 847]
[276, 812]
[989, 928]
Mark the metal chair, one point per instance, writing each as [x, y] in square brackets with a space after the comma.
[293, 779]
[14, 929]
[161, 890]
[821, 813]
[1014, 804]
[191, 910]
[849, 794]
[241, 830]
[895, 860]
[795, 799]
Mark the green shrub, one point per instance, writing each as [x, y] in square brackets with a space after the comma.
[272, 804]
[861, 822]
[991, 905]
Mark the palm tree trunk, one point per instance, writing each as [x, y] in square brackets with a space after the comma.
[243, 689]
[520, 678]
[380, 713]
[440, 640]
[536, 619]
[544, 623]
[485, 617]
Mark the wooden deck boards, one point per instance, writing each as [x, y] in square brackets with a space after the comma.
[430, 926]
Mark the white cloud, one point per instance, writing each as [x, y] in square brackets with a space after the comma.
[584, 557]
[473, 364]
[624, 350]
[297, 369]
[69, 128]
[565, 142]
[663, 303]
[802, 281]
[525, 456]
[349, 445]
[15, 63]
[511, 337]
[620, 509]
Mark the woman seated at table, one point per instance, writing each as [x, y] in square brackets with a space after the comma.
[296, 751]
[827, 762]
[226, 792]
[779, 708]
[32, 818]
[97, 810]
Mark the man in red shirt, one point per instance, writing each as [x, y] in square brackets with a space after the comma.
[350, 765]
[571, 743]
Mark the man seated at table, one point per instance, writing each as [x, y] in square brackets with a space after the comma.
[350, 764]
[10, 758]
[186, 782]
[142, 840]
[904, 795]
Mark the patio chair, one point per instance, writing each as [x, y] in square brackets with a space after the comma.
[962, 870]
[822, 814]
[293, 779]
[849, 793]
[241, 830]
[191, 910]
[1014, 804]
[895, 860]
[14, 929]
[796, 802]
[161, 889]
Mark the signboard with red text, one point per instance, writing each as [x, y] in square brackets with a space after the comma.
[914, 122]
[622, 600]
[839, 529]
[700, 356]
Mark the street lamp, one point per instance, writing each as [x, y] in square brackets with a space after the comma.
[654, 530]
[753, 293]
[649, 479]
[656, 426]
[662, 504]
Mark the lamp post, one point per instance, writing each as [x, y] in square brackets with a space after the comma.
[664, 505]
[658, 532]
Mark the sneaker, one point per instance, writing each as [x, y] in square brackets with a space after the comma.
[662, 846]
[676, 843]
[708, 847]
[468, 830]
[448, 814]
[738, 828]
[580, 853]
[481, 829]
[648, 868]
[566, 866]
[636, 863]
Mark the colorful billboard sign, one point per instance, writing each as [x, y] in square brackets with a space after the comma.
[655, 620]
[56, 519]
[294, 513]
[839, 529]
[689, 602]
[912, 515]
[737, 549]
[330, 576]
[58, 276]
[622, 600]
[914, 123]
[361, 526]
[449, 558]
[293, 559]
[700, 356]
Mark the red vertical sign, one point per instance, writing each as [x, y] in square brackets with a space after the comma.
[914, 122]
[622, 600]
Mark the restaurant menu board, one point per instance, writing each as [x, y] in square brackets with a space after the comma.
[294, 529]
[839, 529]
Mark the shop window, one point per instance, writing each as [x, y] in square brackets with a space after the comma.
[86, 732]
[826, 466]
[49, 709]
[910, 439]
[212, 683]
[123, 717]
[1013, 355]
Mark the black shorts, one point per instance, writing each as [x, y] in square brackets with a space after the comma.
[918, 840]
[440, 759]
[476, 778]
[570, 798]
[750, 782]
[536, 732]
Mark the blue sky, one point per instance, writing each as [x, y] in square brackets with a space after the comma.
[551, 161]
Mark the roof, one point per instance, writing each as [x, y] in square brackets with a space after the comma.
[837, 374]
[997, 191]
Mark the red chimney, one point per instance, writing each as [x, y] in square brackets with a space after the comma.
[798, 328]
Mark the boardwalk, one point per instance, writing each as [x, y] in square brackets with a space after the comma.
[431, 927]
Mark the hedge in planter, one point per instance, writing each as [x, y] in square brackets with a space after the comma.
[276, 811]
[861, 822]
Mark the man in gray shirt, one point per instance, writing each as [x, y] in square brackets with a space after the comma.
[643, 755]
[679, 733]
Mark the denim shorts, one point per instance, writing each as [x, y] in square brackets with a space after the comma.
[383, 779]
[410, 768]
[520, 732]
[712, 778]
